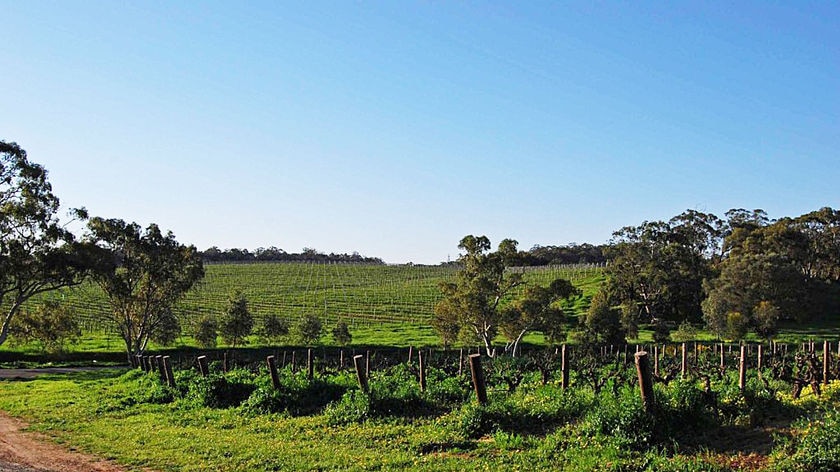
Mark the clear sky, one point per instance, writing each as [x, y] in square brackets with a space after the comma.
[395, 128]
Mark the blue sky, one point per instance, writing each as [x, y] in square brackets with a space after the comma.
[396, 128]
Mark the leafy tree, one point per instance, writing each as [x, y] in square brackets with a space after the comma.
[473, 300]
[445, 323]
[37, 253]
[207, 331]
[237, 322]
[143, 274]
[657, 269]
[50, 324]
[341, 334]
[737, 325]
[602, 322]
[685, 332]
[274, 328]
[168, 330]
[537, 309]
[309, 330]
[766, 319]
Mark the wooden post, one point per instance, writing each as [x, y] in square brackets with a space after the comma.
[202, 366]
[760, 355]
[422, 370]
[225, 362]
[478, 378]
[341, 360]
[167, 368]
[460, 362]
[656, 360]
[826, 361]
[410, 353]
[722, 358]
[367, 363]
[310, 365]
[160, 369]
[564, 367]
[742, 370]
[684, 367]
[284, 359]
[360, 372]
[294, 364]
[645, 381]
[272, 370]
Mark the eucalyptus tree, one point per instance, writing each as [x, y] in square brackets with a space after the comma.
[143, 274]
[472, 302]
[37, 253]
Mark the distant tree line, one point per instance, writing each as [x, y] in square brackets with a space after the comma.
[273, 254]
[561, 255]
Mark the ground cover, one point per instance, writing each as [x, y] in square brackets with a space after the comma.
[239, 421]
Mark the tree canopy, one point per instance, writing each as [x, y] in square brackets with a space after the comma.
[37, 253]
[143, 273]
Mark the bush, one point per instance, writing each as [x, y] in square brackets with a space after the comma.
[354, 406]
[51, 325]
[296, 396]
[818, 447]
[221, 390]
[207, 332]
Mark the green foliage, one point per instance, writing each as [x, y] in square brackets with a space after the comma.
[143, 274]
[816, 448]
[603, 322]
[341, 334]
[221, 390]
[274, 329]
[766, 319]
[206, 332]
[309, 330]
[685, 332]
[51, 325]
[37, 253]
[737, 325]
[296, 396]
[167, 330]
[472, 301]
[237, 322]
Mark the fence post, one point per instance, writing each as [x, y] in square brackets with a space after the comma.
[159, 367]
[742, 370]
[645, 380]
[826, 361]
[656, 360]
[478, 378]
[410, 353]
[722, 357]
[360, 372]
[167, 368]
[272, 369]
[564, 367]
[310, 365]
[341, 360]
[460, 362]
[760, 355]
[202, 366]
[420, 360]
[683, 367]
[367, 363]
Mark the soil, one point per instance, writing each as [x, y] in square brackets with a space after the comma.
[24, 451]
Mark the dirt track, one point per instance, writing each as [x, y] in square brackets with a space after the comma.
[22, 451]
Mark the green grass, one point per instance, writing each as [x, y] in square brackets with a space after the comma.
[104, 413]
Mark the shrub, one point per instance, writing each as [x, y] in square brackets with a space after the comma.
[206, 332]
[51, 325]
[237, 322]
[274, 328]
[818, 447]
[309, 330]
[221, 390]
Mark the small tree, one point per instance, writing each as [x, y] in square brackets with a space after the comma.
[274, 329]
[237, 322]
[167, 330]
[309, 330]
[685, 332]
[766, 319]
[206, 332]
[341, 334]
[603, 322]
[51, 325]
[737, 325]
[536, 310]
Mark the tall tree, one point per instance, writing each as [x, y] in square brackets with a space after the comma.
[473, 300]
[37, 253]
[143, 274]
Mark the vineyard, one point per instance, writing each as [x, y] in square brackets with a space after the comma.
[362, 295]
